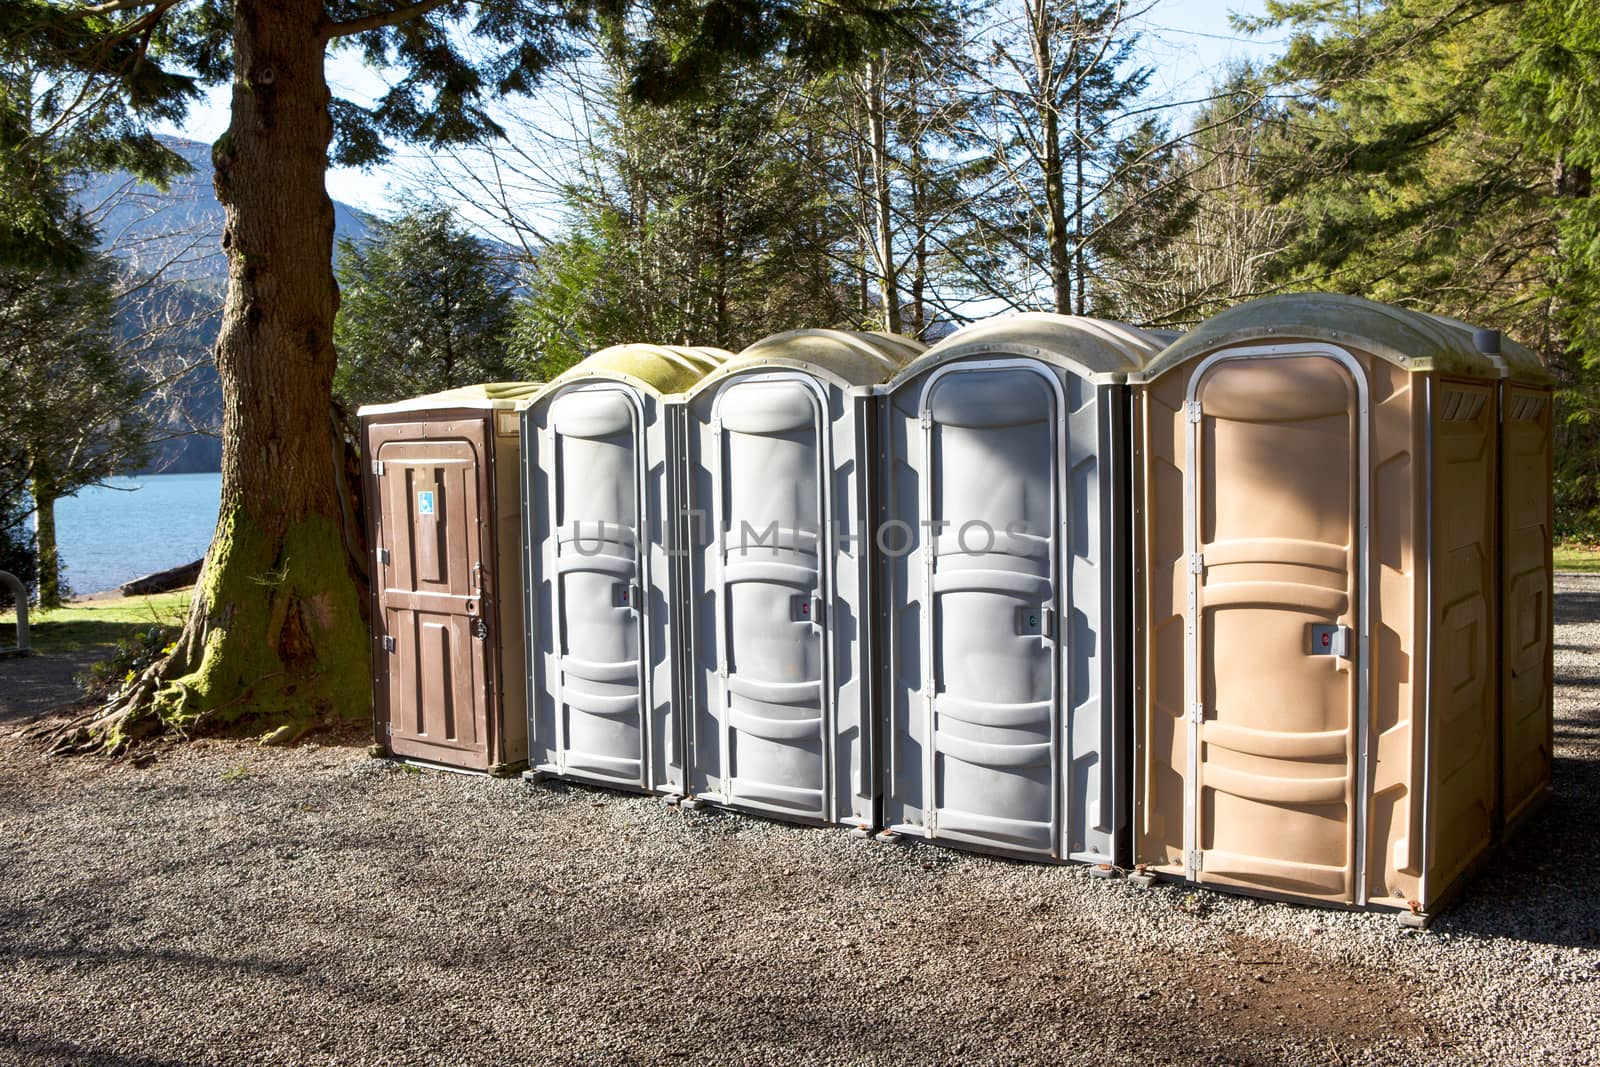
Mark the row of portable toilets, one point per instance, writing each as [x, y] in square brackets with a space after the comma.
[1265, 606]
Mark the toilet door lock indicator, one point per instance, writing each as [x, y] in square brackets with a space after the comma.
[1035, 620]
[1329, 640]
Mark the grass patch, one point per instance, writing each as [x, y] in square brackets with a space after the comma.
[93, 623]
[1585, 559]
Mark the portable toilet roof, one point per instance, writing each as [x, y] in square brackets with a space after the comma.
[1517, 363]
[1099, 350]
[660, 370]
[1419, 342]
[488, 396]
[848, 358]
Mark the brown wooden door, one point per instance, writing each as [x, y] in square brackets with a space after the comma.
[1275, 520]
[431, 625]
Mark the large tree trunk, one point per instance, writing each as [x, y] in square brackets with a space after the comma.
[47, 557]
[276, 632]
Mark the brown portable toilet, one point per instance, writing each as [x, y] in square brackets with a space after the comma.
[1318, 603]
[445, 528]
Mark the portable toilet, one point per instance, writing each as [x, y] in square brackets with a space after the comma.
[1002, 538]
[598, 446]
[779, 445]
[445, 530]
[1316, 570]
[1526, 571]
[1527, 576]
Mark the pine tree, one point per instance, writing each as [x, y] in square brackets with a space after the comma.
[72, 414]
[276, 631]
[424, 306]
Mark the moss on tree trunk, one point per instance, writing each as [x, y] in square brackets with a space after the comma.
[276, 635]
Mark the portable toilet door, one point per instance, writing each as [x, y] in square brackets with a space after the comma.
[1316, 574]
[600, 592]
[444, 526]
[779, 690]
[1001, 539]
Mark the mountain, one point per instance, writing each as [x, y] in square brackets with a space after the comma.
[175, 235]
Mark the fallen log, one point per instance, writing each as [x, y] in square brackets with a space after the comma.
[163, 581]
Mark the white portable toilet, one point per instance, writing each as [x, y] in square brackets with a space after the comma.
[778, 442]
[598, 571]
[1004, 544]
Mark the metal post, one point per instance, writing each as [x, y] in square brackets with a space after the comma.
[20, 595]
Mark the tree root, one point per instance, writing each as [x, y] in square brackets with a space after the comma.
[276, 642]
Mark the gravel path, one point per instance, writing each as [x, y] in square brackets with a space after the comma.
[34, 684]
[226, 904]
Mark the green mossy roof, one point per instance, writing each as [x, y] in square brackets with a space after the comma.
[1096, 349]
[1419, 342]
[847, 357]
[658, 369]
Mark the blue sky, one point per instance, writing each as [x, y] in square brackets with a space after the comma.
[1187, 41]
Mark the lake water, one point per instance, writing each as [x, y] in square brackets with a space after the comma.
[135, 526]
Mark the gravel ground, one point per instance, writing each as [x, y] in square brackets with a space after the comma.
[33, 685]
[224, 904]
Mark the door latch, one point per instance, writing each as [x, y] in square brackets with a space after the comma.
[1037, 621]
[1326, 639]
[808, 607]
[480, 628]
[388, 644]
[626, 595]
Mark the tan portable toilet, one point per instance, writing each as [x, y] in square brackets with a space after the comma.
[600, 566]
[1526, 570]
[778, 462]
[445, 529]
[1318, 597]
[1527, 575]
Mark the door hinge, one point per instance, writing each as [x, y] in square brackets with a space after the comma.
[377, 468]
[388, 729]
[1197, 563]
[1197, 713]
[1195, 858]
[927, 420]
[716, 427]
[383, 556]
[1193, 408]
[388, 644]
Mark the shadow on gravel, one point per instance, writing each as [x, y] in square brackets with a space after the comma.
[51, 1050]
[1577, 605]
[188, 962]
[1543, 884]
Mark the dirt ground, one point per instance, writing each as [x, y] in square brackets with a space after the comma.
[228, 904]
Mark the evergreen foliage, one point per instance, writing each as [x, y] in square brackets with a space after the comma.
[425, 306]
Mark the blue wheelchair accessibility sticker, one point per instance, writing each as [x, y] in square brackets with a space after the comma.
[425, 502]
